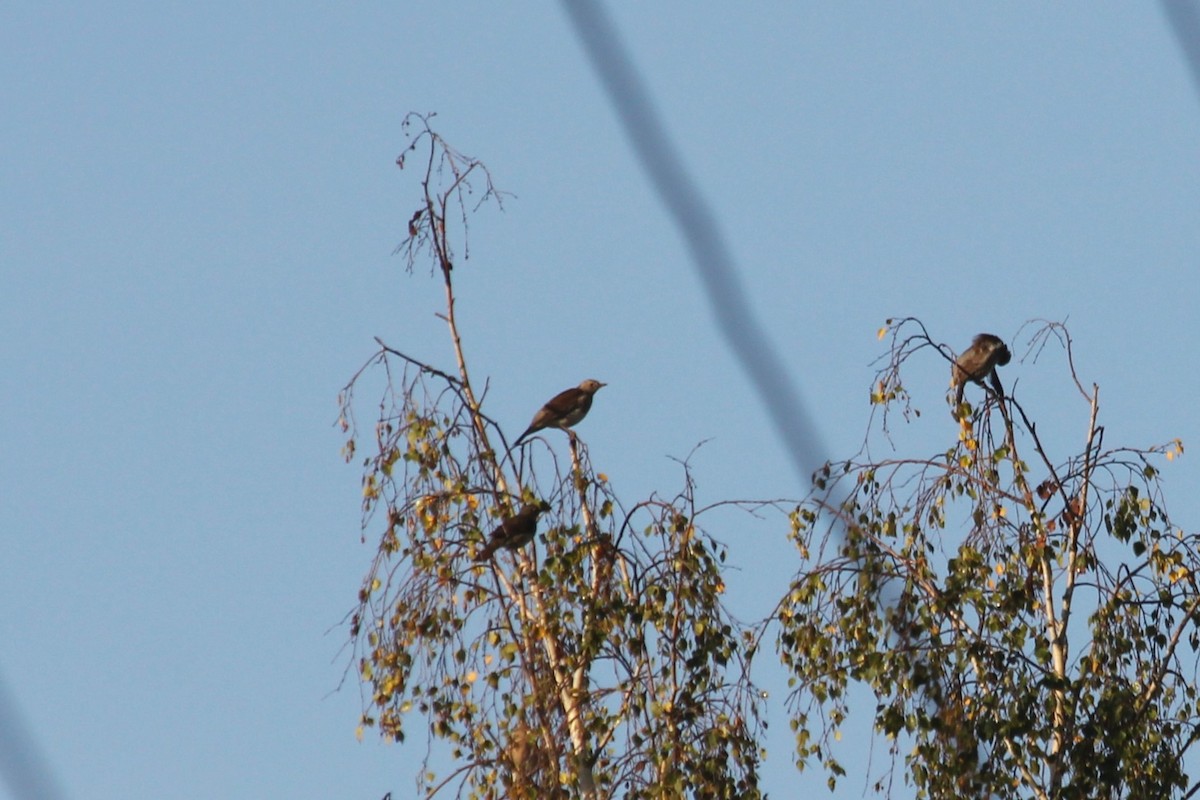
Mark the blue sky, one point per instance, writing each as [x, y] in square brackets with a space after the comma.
[198, 206]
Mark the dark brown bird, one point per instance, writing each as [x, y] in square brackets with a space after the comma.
[564, 409]
[978, 363]
[515, 532]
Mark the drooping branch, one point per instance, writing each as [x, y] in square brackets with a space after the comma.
[962, 636]
[540, 664]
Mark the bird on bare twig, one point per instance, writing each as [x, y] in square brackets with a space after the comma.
[563, 410]
[977, 363]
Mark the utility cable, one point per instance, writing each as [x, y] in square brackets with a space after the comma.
[699, 227]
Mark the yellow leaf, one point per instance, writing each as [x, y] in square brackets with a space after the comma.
[882, 333]
[358, 733]
[600, 476]
[472, 676]
[1000, 569]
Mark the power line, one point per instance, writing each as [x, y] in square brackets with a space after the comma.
[24, 769]
[699, 227]
[1184, 19]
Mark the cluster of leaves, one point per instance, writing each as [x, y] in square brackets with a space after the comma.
[1036, 655]
[597, 661]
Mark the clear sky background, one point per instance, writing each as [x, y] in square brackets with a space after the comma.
[198, 206]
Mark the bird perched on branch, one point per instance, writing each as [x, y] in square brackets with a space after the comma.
[515, 532]
[977, 363]
[564, 409]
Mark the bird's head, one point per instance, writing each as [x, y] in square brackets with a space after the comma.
[540, 507]
[591, 386]
[991, 343]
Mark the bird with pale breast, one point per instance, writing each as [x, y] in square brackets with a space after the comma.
[563, 410]
[977, 363]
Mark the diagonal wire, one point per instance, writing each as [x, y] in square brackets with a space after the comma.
[23, 768]
[1184, 18]
[699, 227]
